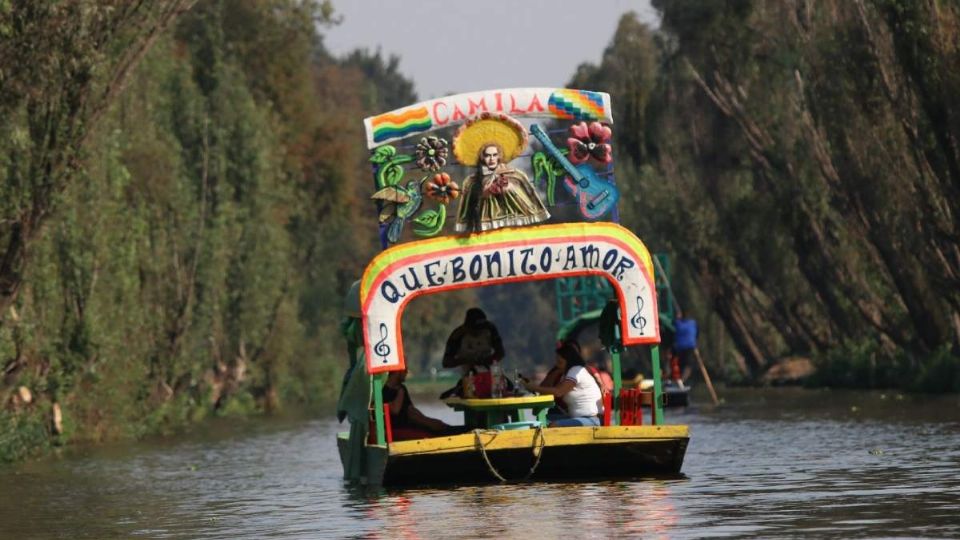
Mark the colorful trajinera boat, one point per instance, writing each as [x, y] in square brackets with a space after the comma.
[524, 210]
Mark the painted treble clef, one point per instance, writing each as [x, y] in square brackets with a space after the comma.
[638, 321]
[381, 348]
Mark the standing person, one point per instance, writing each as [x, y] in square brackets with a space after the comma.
[474, 346]
[496, 195]
[578, 389]
[684, 343]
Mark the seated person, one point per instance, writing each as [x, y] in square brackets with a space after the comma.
[475, 342]
[553, 378]
[578, 389]
[406, 421]
[602, 376]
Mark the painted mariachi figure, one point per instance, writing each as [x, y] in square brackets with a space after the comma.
[496, 195]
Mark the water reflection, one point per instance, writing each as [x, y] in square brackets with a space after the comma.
[769, 463]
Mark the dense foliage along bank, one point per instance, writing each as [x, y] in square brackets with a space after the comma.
[184, 199]
[802, 161]
[192, 253]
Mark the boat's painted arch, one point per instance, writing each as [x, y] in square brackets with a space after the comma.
[403, 272]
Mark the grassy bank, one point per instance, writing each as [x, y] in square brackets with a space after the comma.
[865, 366]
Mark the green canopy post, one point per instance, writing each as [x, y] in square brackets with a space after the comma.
[378, 381]
[657, 384]
[617, 385]
[617, 377]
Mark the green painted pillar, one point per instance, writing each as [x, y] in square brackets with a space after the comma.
[378, 381]
[617, 377]
[657, 384]
[617, 385]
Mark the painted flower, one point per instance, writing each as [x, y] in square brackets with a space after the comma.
[589, 142]
[442, 189]
[431, 153]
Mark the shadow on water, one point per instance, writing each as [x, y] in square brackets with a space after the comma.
[784, 462]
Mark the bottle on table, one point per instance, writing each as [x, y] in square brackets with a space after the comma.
[520, 389]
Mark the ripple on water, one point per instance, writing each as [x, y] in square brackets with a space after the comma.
[766, 464]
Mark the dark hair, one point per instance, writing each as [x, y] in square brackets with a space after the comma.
[570, 351]
[473, 197]
[474, 315]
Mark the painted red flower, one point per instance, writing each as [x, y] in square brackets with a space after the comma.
[589, 142]
[442, 189]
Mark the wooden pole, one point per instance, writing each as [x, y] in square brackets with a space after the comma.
[706, 377]
[696, 350]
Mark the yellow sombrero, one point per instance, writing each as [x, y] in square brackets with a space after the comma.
[489, 128]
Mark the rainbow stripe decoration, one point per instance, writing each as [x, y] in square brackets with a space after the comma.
[577, 105]
[400, 124]
[450, 111]
[404, 272]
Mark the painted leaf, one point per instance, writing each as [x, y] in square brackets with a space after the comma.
[431, 222]
[539, 164]
[391, 173]
[383, 153]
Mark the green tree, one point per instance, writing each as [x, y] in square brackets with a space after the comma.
[798, 160]
[64, 64]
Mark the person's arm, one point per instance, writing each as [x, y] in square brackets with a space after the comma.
[552, 378]
[560, 390]
[422, 420]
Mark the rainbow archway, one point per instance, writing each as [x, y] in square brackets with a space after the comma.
[403, 272]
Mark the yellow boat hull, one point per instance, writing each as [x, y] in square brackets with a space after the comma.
[569, 453]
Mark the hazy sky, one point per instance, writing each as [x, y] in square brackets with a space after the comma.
[452, 46]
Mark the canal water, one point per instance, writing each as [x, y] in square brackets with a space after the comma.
[767, 463]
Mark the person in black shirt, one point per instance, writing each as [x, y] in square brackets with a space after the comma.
[475, 342]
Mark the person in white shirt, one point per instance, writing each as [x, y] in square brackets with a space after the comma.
[578, 389]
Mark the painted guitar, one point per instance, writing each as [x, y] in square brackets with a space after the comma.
[595, 196]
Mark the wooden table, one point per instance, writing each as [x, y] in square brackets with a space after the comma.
[485, 412]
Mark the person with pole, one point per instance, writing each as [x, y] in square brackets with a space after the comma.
[695, 350]
[684, 344]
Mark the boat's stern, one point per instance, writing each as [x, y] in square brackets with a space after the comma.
[540, 454]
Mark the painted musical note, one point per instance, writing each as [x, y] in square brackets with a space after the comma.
[381, 348]
[638, 321]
